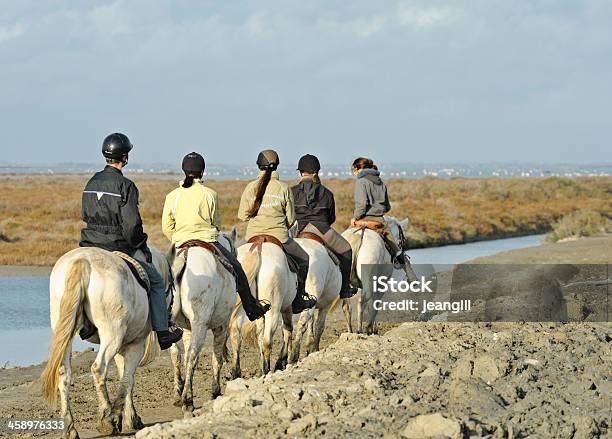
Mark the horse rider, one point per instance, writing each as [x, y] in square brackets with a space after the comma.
[267, 205]
[113, 223]
[315, 210]
[372, 203]
[191, 212]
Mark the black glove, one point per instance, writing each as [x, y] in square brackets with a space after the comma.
[148, 255]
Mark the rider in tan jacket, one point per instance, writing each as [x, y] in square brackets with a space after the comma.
[191, 213]
[267, 205]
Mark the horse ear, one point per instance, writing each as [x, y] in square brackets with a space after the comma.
[403, 223]
[233, 234]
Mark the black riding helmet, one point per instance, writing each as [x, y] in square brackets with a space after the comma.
[116, 146]
[309, 163]
[193, 164]
[268, 159]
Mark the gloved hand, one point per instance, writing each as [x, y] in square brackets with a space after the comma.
[148, 255]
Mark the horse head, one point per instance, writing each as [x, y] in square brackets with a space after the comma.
[228, 239]
[397, 228]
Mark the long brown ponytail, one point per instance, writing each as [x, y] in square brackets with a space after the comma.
[260, 191]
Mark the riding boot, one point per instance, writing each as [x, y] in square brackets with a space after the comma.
[346, 263]
[303, 300]
[168, 337]
[88, 329]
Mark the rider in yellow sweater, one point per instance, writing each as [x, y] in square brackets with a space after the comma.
[191, 213]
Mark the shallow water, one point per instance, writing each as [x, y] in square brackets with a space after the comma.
[24, 315]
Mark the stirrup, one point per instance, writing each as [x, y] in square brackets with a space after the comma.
[306, 301]
[265, 307]
[349, 292]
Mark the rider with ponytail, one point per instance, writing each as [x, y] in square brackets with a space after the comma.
[267, 205]
[191, 212]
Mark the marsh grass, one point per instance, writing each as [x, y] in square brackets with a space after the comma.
[580, 224]
[40, 215]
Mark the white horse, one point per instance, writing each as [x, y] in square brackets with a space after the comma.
[370, 250]
[324, 282]
[203, 299]
[98, 284]
[270, 279]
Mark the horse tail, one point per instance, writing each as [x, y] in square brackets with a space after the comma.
[251, 265]
[70, 311]
[335, 304]
[152, 349]
[248, 332]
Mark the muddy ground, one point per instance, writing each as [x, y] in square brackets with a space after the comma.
[415, 380]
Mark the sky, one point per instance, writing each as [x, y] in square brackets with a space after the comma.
[401, 81]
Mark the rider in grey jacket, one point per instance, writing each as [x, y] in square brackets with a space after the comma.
[371, 198]
[372, 203]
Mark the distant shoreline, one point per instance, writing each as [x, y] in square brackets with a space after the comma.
[24, 270]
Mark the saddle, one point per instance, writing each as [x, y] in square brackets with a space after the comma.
[315, 237]
[178, 264]
[137, 270]
[258, 240]
[376, 226]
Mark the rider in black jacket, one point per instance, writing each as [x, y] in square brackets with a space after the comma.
[113, 223]
[315, 211]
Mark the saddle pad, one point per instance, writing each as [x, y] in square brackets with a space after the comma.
[184, 248]
[315, 237]
[136, 269]
[257, 242]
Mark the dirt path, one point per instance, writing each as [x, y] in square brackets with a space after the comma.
[479, 380]
[20, 394]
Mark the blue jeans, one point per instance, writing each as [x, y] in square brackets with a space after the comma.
[157, 298]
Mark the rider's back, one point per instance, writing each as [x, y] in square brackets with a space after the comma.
[275, 214]
[191, 213]
[110, 211]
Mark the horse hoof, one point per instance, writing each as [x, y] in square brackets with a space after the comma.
[137, 423]
[280, 365]
[216, 393]
[106, 427]
[236, 373]
[71, 434]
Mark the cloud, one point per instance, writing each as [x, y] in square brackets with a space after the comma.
[11, 32]
[424, 17]
[480, 79]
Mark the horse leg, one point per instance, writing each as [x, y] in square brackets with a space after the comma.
[236, 340]
[123, 406]
[265, 336]
[319, 326]
[360, 315]
[99, 369]
[281, 363]
[219, 334]
[65, 378]
[192, 354]
[302, 325]
[310, 336]
[346, 309]
[176, 353]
